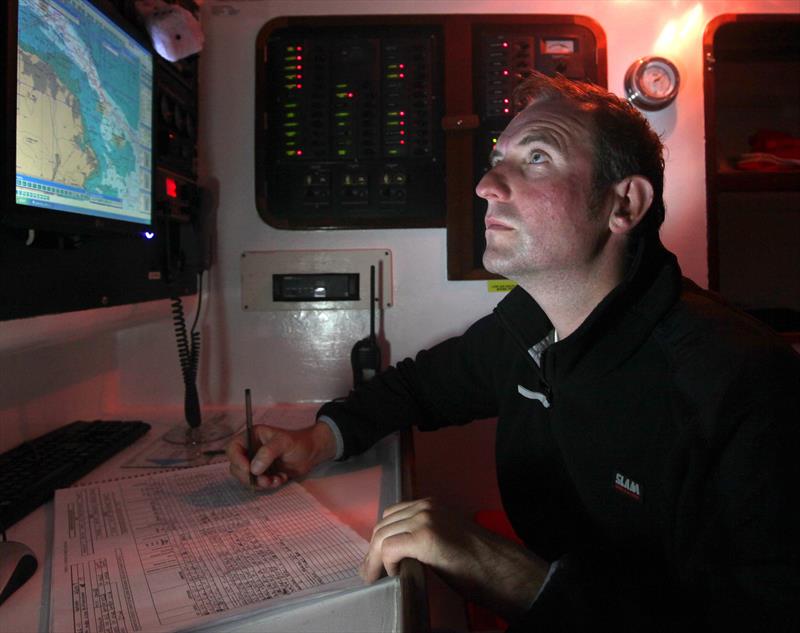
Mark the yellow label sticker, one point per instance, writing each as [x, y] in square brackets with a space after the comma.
[500, 285]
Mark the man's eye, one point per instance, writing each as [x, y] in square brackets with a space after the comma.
[538, 157]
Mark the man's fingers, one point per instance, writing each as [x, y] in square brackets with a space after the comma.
[271, 444]
[396, 548]
[373, 563]
[387, 549]
[274, 443]
[391, 550]
[243, 475]
[406, 508]
[279, 455]
[271, 481]
[236, 452]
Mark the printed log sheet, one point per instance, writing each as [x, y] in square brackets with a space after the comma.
[175, 549]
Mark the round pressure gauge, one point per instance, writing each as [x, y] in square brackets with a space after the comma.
[651, 83]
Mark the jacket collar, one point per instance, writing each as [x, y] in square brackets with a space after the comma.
[613, 330]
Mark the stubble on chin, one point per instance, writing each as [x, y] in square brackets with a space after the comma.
[496, 263]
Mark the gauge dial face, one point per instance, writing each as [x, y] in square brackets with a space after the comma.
[558, 47]
[657, 81]
[651, 83]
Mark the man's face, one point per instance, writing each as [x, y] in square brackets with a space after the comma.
[539, 217]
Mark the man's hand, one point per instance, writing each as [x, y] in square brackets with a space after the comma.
[281, 454]
[481, 566]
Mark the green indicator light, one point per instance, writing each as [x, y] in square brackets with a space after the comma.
[342, 152]
[392, 123]
[290, 152]
[391, 76]
[290, 106]
[342, 123]
[290, 124]
[341, 86]
[290, 134]
[342, 115]
[392, 152]
[291, 115]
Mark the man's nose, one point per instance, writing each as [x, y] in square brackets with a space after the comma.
[493, 186]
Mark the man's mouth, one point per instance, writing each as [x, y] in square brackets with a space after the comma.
[494, 224]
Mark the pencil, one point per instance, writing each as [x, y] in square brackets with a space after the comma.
[248, 412]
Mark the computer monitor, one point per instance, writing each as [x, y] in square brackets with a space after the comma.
[82, 137]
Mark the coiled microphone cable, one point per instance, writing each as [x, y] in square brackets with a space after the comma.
[188, 353]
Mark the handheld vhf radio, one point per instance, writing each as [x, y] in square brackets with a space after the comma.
[366, 355]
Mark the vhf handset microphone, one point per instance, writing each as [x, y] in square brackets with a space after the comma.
[366, 355]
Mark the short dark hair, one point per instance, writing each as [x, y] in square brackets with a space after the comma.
[624, 143]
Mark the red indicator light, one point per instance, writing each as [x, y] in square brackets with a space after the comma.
[402, 132]
[350, 95]
[402, 66]
[299, 86]
[505, 101]
[172, 188]
[299, 76]
[505, 72]
[299, 48]
[402, 113]
[299, 67]
[402, 122]
[299, 58]
[505, 44]
[505, 110]
[402, 75]
[299, 152]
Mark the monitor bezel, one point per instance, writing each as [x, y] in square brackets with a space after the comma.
[50, 220]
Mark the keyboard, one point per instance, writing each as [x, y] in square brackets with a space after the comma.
[31, 472]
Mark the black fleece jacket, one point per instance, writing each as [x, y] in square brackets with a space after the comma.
[655, 453]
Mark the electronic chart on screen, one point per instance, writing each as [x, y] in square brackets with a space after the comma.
[84, 113]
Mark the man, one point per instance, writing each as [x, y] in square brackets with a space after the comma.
[647, 436]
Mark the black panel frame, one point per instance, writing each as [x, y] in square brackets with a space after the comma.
[399, 192]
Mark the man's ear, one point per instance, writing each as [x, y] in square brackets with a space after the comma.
[632, 198]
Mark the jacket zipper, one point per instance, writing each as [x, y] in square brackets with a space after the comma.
[545, 388]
